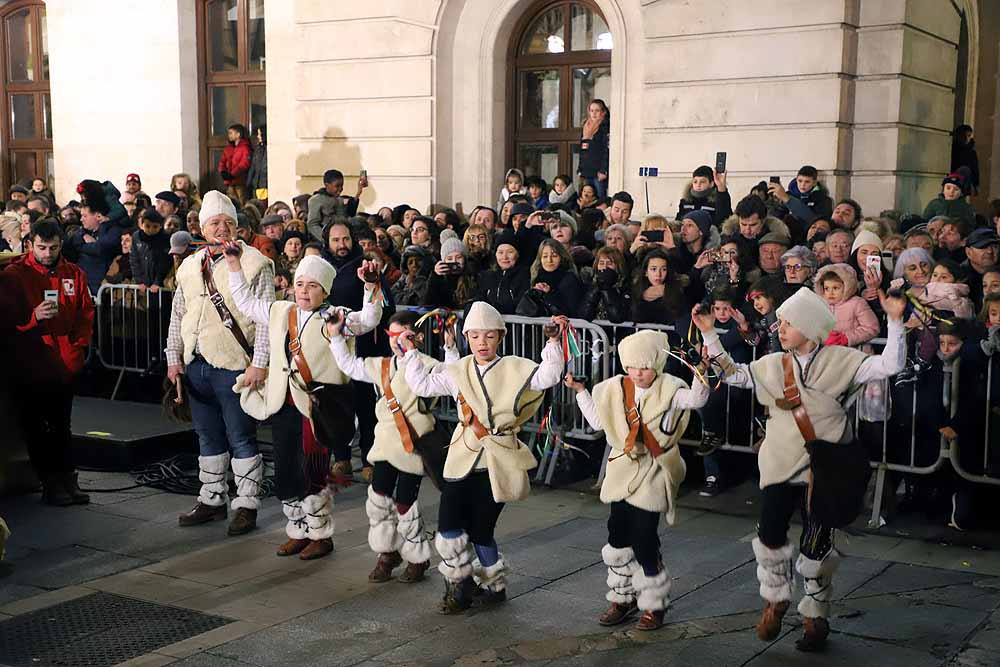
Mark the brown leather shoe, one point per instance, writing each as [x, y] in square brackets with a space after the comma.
[413, 573]
[244, 521]
[202, 513]
[769, 626]
[618, 613]
[317, 549]
[383, 568]
[292, 547]
[816, 630]
[367, 473]
[341, 469]
[651, 620]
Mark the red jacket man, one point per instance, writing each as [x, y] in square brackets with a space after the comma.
[56, 318]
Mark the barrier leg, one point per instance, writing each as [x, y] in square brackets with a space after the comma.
[604, 467]
[553, 459]
[118, 383]
[875, 521]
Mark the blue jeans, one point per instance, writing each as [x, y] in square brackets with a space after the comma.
[218, 418]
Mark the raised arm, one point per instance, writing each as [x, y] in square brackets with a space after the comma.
[550, 371]
[252, 307]
[891, 361]
[359, 323]
[736, 374]
[346, 360]
[589, 410]
[422, 381]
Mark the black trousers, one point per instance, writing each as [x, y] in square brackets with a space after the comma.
[289, 471]
[45, 412]
[364, 409]
[778, 502]
[403, 487]
[467, 504]
[629, 526]
[333, 418]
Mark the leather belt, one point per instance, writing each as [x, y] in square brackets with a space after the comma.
[403, 425]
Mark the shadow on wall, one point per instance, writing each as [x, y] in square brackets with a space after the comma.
[334, 153]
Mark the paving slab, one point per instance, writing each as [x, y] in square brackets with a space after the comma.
[988, 636]
[37, 526]
[901, 577]
[148, 586]
[842, 650]
[69, 565]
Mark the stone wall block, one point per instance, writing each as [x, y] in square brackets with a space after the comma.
[358, 40]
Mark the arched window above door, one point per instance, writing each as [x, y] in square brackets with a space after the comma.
[560, 60]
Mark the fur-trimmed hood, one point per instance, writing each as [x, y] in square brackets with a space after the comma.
[845, 272]
[772, 225]
[710, 196]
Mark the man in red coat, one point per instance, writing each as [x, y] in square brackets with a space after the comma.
[55, 318]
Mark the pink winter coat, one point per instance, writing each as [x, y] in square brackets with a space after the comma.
[855, 318]
[945, 296]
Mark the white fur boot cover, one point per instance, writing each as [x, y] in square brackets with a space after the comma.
[416, 548]
[318, 518]
[774, 571]
[382, 517]
[652, 593]
[621, 566]
[494, 577]
[249, 475]
[818, 578]
[456, 557]
[296, 526]
[212, 473]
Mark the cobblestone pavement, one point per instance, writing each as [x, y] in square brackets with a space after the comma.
[899, 601]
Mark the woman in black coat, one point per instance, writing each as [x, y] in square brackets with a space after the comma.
[556, 288]
[608, 297]
[504, 286]
[594, 147]
[659, 291]
[257, 176]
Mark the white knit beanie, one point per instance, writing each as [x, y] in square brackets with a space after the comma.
[806, 311]
[448, 233]
[866, 237]
[450, 246]
[216, 203]
[314, 267]
[482, 317]
[644, 349]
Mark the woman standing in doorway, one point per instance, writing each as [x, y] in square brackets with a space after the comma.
[594, 147]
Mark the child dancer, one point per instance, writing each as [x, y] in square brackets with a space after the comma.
[487, 465]
[302, 381]
[643, 414]
[396, 529]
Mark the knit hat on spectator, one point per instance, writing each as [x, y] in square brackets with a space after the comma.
[180, 242]
[982, 238]
[452, 246]
[522, 209]
[806, 311]
[568, 220]
[775, 237]
[272, 219]
[953, 178]
[483, 317]
[20, 189]
[169, 196]
[644, 349]
[866, 237]
[705, 171]
[314, 267]
[505, 237]
[446, 234]
[909, 221]
[704, 221]
[396, 229]
[215, 203]
[133, 178]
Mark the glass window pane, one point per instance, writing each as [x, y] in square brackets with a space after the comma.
[24, 165]
[212, 180]
[546, 34]
[225, 109]
[47, 116]
[539, 160]
[22, 116]
[45, 43]
[574, 159]
[258, 108]
[50, 171]
[588, 31]
[222, 35]
[540, 99]
[255, 35]
[589, 83]
[20, 56]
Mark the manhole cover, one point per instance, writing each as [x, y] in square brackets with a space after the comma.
[97, 630]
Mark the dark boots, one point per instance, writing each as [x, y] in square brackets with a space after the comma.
[815, 632]
[386, 563]
[202, 513]
[618, 613]
[63, 490]
[458, 597]
[414, 572]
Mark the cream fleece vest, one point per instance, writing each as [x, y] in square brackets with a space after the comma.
[502, 399]
[201, 327]
[830, 380]
[637, 478]
[388, 444]
[283, 375]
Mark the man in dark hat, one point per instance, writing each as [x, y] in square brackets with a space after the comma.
[982, 248]
[167, 203]
[19, 193]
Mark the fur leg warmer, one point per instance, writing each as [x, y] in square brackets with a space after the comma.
[318, 518]
[492, 578]
[296, 528]
[652, 593]
[456, 557]
[818, 584]
[212, 474]
[249, 475]
[621, 567]
[382, 517]
[416, 548]
[774, 571]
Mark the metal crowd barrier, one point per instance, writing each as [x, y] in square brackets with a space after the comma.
[132, 329]
[991, 423]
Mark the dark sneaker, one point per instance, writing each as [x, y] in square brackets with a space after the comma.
[709, 443]
[711, 487]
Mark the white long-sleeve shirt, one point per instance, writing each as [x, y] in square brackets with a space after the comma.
[684, 399]
[259, 310]
[875, 367]
[426, 384]
[354, 367]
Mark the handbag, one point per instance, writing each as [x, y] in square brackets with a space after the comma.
[838, 471]
[532, 304]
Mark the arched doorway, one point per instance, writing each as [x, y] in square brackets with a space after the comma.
[27, 106]
[559, 60]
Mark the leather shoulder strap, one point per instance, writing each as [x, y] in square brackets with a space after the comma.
[636, 427]
[295, 346]
[793, 399]
[470, 419]
[228, 321]
[406, 432]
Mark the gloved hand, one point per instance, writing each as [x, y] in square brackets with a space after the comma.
[991, 343]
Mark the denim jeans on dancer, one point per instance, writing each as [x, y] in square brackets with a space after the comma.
[218, 418]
